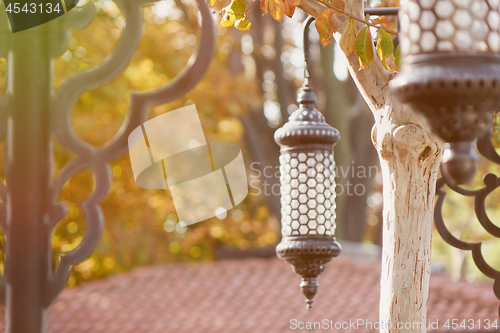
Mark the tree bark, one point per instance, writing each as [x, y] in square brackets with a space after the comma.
[409, 160]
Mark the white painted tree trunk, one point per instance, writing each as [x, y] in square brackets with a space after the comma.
[409, 159]
[409, 172]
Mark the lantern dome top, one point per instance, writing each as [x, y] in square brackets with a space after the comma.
[306, 126]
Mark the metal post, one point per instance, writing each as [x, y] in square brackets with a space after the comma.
[382, 11]
[28, 163]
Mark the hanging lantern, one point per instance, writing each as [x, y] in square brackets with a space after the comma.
[450, 73]
[307, 188]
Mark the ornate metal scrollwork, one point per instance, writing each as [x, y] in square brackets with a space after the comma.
[491, 182]
[97, 158]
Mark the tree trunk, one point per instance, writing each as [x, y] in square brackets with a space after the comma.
[409, 160]
[409, 163]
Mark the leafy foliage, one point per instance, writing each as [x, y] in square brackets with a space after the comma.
[279, 8]
[290, 7]
[362, 42]
[234, 12]
[364, 47]
[339, 5]
[382, 20]
[385, 46]
[397, 58]
[348, 37]
[243, 24]
[325, 26]
[276, 9]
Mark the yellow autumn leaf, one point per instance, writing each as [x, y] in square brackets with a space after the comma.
[324, 25]
[348, 37]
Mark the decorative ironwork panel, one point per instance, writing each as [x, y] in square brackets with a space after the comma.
[96, 159]
[491, 182]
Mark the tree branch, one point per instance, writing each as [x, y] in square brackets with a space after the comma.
[358, 19]
[371, 81]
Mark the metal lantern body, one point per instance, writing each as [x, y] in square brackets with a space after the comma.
[307, 192]
[450, 72]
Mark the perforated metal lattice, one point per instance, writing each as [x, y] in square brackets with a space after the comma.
[308, 193]
[429, 26]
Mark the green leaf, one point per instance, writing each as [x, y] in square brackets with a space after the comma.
[348, 37]
[364, 47]
[243, 24]
[385, 45]
[324, 25]
[397, 57]
[277, 9]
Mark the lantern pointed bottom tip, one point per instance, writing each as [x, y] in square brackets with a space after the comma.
[309, 289]
[460, 161]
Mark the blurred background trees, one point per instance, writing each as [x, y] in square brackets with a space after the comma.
[248, 91]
